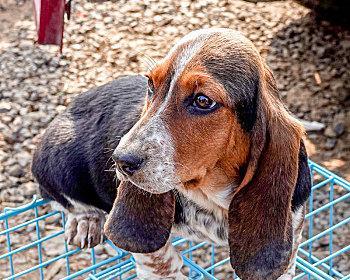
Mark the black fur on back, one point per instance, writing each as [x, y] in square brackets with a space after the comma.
[74, 155]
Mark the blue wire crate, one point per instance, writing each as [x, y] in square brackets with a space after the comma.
[32, 244]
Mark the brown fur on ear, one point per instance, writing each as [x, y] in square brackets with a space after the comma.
[260, 228]
[140, 222]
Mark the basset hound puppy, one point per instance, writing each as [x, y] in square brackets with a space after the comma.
[203, 149]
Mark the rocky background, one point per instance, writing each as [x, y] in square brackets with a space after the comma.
[104, 39]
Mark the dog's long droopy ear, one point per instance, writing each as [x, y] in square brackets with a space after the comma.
[260, 225]
[140, 222]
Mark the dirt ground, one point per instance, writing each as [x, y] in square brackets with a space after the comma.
[104, 39]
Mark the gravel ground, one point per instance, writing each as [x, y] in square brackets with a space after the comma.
[310, 60]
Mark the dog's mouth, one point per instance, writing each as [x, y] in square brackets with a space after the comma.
[147, 181]
[155, 186]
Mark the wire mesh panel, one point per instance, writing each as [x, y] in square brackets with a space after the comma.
[325, 251]
[32, 244]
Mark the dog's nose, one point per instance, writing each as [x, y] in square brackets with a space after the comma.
[128, 163]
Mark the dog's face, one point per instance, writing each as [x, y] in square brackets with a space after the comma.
[195, 124]
[212, 120]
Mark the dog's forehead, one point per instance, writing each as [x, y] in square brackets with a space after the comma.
[191, 43]
[197, 47]
[183, 52]
[192, 40]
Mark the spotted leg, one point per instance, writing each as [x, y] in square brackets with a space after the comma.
[165, 263]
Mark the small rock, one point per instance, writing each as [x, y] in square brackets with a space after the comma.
[16, 171]
[33, 226]
[133, 57]
[342, 93]
[329, 132]
[99, 250]
[324, 241]
[54, 269]
[24, 158]
[54, 247]
[29, 189]
[55, 220]
[9, 137]
[339, 129]
[147, 30]
[330, 144]
[5, 107]
[110, 250]
[345, 44]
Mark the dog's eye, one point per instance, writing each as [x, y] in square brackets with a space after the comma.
[150, 87]
[203, 102]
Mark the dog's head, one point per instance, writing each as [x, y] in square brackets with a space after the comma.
[212, 120]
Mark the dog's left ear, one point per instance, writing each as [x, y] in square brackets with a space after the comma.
[140, 222]
[260, 217]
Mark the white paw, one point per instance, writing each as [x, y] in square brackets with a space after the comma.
[85, 230]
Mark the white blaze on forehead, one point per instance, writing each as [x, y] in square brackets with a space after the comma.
[193, 43]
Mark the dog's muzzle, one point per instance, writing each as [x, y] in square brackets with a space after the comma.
[144, 156]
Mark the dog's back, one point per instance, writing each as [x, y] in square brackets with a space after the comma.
[73, 157]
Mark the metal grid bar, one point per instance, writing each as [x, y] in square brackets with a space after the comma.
[120, 265]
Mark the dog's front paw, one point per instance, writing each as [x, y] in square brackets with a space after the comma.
[85, 230]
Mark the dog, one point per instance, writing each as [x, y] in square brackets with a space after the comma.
[203, 148]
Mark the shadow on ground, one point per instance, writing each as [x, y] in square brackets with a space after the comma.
[311, 62]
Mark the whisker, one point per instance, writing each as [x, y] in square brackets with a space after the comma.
[109, 170]
[149, 61]
[109, 160]
[176, 163]
[108, 150]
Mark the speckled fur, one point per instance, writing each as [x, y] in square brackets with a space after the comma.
[150, 138]
[165, 263]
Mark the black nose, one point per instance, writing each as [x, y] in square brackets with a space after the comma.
[128, 163]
